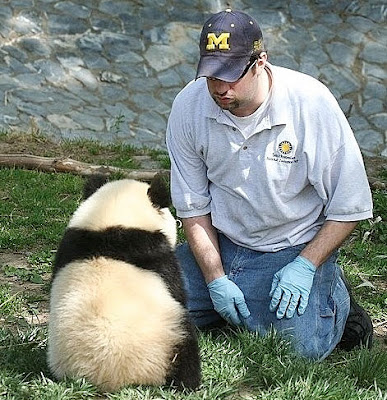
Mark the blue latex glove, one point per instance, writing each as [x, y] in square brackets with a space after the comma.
[291, 287]
[228, 300]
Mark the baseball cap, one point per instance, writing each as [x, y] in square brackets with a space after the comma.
[227, 42]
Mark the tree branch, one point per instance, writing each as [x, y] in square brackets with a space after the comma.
[47, 164]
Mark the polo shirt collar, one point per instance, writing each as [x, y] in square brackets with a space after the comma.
[278, 110]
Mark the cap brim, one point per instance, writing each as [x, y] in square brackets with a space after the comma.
[228, 69]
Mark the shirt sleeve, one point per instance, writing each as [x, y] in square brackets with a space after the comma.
[189, 182]
[341, 180]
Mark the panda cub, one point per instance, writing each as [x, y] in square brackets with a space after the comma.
[117, 305]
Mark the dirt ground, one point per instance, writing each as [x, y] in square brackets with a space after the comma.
[35, 145]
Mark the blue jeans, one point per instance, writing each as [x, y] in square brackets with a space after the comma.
[314, 334]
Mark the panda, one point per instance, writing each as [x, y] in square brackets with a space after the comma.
[117, 306]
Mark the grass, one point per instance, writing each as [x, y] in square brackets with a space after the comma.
[237, 365]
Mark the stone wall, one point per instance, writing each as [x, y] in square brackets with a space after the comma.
[109, 69]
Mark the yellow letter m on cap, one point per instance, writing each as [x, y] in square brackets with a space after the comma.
[221, 41]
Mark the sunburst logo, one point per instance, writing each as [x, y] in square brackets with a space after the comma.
[285, 147]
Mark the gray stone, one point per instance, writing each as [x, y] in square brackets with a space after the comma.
[120, 110]
[169, 78]
[79, 95]
[22, 4]
[358, 123]
[16, 66]
[369, 140]
[268, 20]
[374, 53]
[34, 46]
[112, 92]
[95, 61]
[285, 60]
[68, 7]
[330, 19]
[168, 95]
[85, 77]
[310, 69]
[110, 77]
[90, 41]
[119, 64]
[341, 54]
[66, 24]
[340, 79]
[315, 54]
[129, 57]
[30, 80]
[373, 70]
[10, 120]
[322, 33]
[87, 121]
[63, 122]
[380, 120]
[32, 95]
[32, 109]
[349, 34]
[375, 89]
[140, 85]
[104, 24]
[300, 11]
[70, 61]
[26, 24]
[5, 12]
[14, 52]
[161, 57]
[372, 106]
[50, 70]
[361, 24]
[116, 8]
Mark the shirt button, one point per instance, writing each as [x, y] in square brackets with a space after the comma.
[244, 147]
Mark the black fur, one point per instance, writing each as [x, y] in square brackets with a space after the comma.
[159, 193]
[148, 250]
[92, 184]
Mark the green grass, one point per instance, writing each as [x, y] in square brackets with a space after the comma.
[236, 365]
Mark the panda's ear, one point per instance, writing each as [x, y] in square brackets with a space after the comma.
[92, 184]
[158, 191]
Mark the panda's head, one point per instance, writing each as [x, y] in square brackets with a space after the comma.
[130, 204]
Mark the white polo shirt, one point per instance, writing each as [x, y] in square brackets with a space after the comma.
[275, 188]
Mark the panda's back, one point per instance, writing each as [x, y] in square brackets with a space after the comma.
[122, 320]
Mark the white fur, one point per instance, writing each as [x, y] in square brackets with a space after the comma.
[113, 323]
[110, 321]
[124, 202]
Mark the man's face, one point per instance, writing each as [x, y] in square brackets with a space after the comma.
[239, 97]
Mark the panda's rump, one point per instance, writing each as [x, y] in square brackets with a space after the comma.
[113, 323]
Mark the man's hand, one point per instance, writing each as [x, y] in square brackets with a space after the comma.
[291, 287]
[228, 300]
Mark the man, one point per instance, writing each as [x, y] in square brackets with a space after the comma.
[269, 181]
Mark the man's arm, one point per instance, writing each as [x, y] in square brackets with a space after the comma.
[203, 241]
[292, 284]
[330, 237]
[227, 298]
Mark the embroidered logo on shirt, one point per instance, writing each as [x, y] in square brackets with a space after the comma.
[284, 153]
[285, 147]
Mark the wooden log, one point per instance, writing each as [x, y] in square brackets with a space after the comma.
[47, 164]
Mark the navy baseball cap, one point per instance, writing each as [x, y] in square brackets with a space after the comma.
[227, 42]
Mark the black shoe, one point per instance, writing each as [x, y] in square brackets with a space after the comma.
[358, 330]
